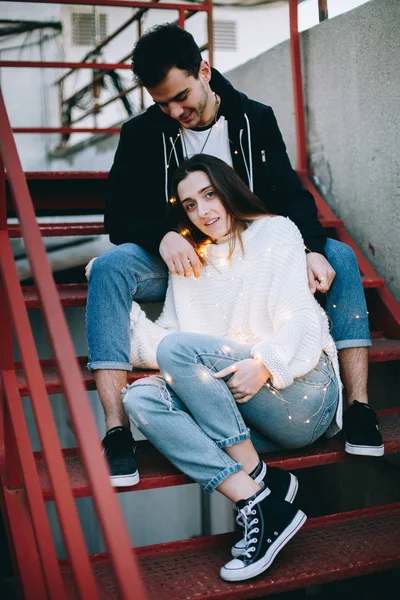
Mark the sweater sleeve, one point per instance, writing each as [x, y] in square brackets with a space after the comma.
[297, 340]
[147, 334]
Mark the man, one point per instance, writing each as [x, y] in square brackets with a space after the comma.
[197, 110]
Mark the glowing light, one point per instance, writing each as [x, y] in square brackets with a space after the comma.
[226, 348]
[185, 232]
[235, 152]
[308, 420]
[305, 397]
[290, 418]
[334, 305]
[167, 378]
[357, 316]
[172, 200]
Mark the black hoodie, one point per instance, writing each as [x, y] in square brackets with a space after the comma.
[137, 188]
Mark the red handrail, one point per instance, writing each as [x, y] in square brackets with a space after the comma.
[298, 98]
[110, 518]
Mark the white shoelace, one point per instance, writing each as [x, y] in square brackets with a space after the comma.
[243, 520]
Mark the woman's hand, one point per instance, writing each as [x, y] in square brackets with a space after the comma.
[249, 377]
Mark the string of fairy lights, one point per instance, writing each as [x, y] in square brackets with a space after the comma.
[217, 264]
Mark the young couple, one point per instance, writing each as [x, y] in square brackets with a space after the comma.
[250, 354]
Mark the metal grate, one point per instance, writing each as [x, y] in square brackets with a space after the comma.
[225, 35]
[84, 28]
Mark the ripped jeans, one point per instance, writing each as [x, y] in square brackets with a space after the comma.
[190, 416]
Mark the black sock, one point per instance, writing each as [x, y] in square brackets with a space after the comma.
[257, 470]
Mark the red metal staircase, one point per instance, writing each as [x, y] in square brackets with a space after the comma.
[350, 543]
[172, 570]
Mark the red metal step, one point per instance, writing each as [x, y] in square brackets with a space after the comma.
[61, 229]
[157, 472]
[326, 549]
[97, 228]
[382, 350]
[74, 294]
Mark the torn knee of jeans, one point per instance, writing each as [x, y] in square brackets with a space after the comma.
[147, 382]
[152, 380]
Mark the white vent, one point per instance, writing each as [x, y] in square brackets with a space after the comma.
[225, 37]
[84, 30]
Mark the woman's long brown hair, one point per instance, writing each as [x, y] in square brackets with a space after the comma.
[238, 200]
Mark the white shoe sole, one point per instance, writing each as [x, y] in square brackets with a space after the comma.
[124, 480]
[262, 565]
[237, 550]
[364, 450]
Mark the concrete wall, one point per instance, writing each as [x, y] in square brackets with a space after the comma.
[352, 94]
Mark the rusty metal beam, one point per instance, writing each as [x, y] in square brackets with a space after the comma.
[323, 10]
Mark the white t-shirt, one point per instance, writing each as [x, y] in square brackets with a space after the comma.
[213, 141]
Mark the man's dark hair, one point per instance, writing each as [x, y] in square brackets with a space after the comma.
[160, 49]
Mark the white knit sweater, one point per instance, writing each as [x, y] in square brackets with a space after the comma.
[261, 297]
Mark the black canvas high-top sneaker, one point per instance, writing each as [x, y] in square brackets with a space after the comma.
[268, 524]
[361, 431]
[283, 485]
[119, 449]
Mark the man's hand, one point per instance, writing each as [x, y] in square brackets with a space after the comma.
[179, 255]
[319, 272]
[249, 377]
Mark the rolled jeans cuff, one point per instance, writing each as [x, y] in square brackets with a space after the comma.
[218, 479]
[236, 439]
[109, 365]
[366, 343]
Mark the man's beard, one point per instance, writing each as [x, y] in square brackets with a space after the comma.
[202, 107]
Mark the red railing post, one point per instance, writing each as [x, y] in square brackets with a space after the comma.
[295, 52]
[182, 18]
[12, 465]
[210, 32]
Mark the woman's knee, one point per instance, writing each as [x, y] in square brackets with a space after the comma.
[170, 348]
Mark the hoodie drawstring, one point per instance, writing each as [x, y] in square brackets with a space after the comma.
[251, 180]
[249, 167]
[165, 167]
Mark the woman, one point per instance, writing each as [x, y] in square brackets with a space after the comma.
[246, 359]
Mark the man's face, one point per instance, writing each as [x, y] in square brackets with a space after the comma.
[185, 98]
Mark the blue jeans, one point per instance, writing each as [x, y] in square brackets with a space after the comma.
[191, 417]
[127, 272]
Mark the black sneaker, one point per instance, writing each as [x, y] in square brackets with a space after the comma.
[268, 523]
[283, 485]
[119, 448]
[361, 431]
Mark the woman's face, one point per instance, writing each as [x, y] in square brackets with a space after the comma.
[202, 205]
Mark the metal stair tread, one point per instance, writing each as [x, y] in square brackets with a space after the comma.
[97, 228]
[62, 229]
[326, 549]
[75, 294]
[157, 472]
